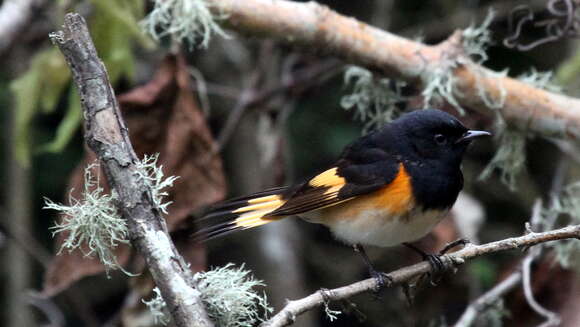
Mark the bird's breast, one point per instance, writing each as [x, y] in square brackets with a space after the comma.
[386, 217]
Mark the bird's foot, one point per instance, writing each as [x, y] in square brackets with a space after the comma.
[383, 280]
[434, 260]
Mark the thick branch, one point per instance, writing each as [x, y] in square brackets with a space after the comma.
[317, 27]
[294, 308]
[107, 136]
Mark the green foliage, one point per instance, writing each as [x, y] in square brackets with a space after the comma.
[184, 20]
[68, 126]
[229, 297]
[38, 89]
[484, 270]
[374, 99]
[158, 308]
[92, 224]
[114, 26]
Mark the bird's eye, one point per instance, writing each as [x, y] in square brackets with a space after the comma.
[440, 139]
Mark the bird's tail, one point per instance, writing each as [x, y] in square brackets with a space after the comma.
[240, 213]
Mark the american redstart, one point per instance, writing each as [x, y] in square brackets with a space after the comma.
[388, 187]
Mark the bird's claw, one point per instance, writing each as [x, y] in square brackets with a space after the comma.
[382, 279]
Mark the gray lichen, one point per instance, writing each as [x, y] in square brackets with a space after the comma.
[91, 224]
[153, 176]
[510, 157]
[567, 207]
[440, 85]
[158, 308]
[373, 99]
[476, 39]
[184, 20]
[229, 296]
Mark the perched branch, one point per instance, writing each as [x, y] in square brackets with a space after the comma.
[317, 27]
[294, 308]
[14, 16]
[107, 135]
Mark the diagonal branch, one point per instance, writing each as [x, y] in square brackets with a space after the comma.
[107, 135]
[317, 27]
[297, 307]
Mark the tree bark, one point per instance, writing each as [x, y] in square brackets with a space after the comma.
[107, 135]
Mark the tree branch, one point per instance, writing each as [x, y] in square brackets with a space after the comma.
[487, 299]
[107, 135]
[317, 27]
[294, 308]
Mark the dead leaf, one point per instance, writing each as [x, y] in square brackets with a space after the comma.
[163, 117]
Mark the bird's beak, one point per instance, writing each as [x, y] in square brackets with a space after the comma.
[470, 135]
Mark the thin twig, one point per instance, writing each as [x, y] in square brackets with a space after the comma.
[552, 319]
[297, 307]
[201, 90]
[51, 311]
[251, 97]
[487, 299]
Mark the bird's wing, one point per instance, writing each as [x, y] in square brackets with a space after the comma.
[353, 175]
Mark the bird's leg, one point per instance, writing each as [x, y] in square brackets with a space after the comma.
[381, 278]
[433, 259]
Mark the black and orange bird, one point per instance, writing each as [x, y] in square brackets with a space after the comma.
[389, 187]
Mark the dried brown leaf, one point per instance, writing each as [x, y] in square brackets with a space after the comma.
[163, 117]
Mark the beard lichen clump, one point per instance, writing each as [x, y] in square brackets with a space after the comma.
[373, 99]
[229, 296]
[92, 223]
[184, 20]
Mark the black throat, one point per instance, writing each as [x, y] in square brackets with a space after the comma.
[435, 186]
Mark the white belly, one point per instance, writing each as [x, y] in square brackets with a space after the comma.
[373, 227]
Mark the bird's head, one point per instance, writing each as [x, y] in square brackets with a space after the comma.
[431, 135]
